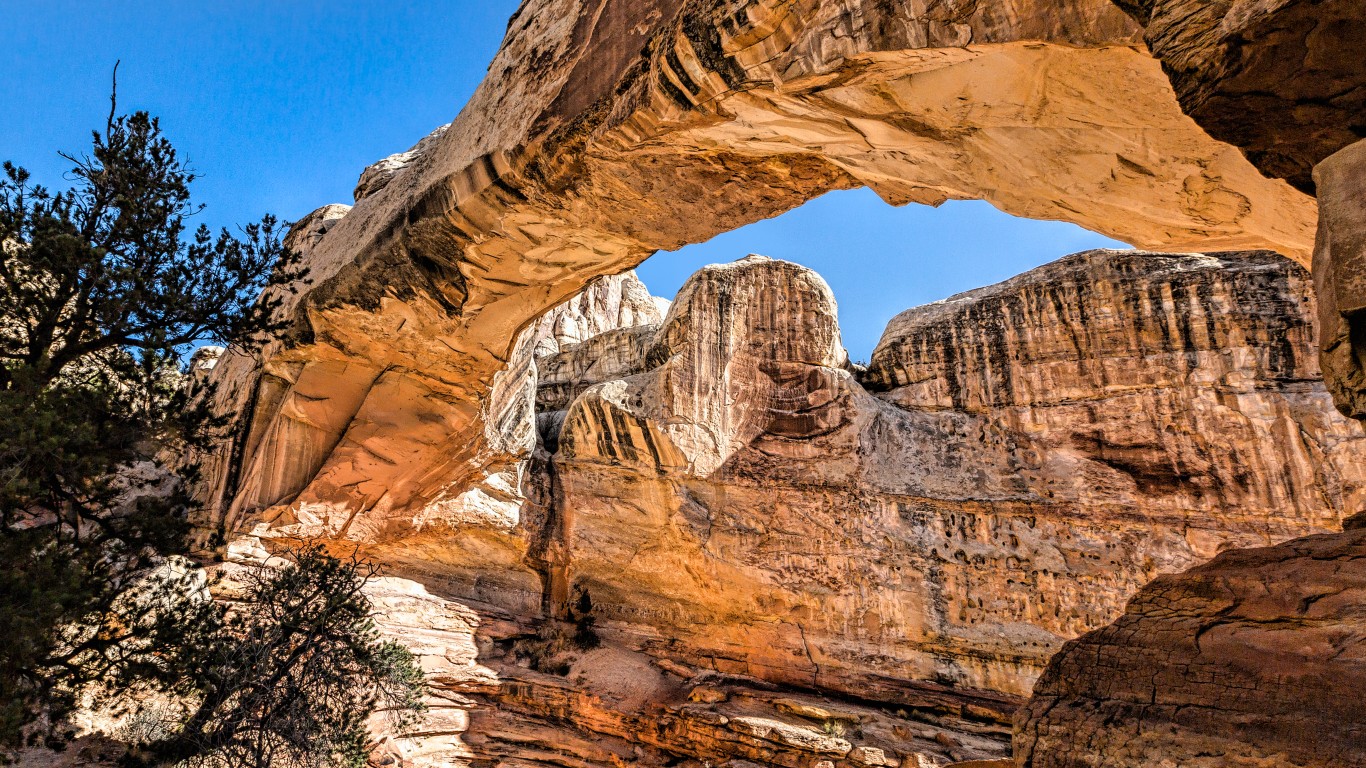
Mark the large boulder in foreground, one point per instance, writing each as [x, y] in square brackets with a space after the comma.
[1257, 658]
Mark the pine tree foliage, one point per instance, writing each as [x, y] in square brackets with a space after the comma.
[289, 675]
[104, 291]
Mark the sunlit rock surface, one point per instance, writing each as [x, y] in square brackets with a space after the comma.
[1036, 451]
[765, 514]
[378, 175]
[608, 129]
[1282, 81]
[1188, 382]
[762, 547]
[506, 691]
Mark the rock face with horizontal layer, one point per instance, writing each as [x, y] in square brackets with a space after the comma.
[742, 522]
[1257, 658]
[1016, 463]
[608, 129]
[1155, 367]
[396, 413]
[507, 692]
[611, 303]
[296, 414]
[1282, 81]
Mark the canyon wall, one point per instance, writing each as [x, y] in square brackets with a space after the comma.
[1255, 659]
[775, 529]
[608, 129]
[733, 545]
[1016, 462]
[1282, 82]
[1277, 78]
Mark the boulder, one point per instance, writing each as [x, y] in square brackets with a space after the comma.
[1256, 658]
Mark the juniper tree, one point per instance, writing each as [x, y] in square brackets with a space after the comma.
[104, 289]
[287, 675]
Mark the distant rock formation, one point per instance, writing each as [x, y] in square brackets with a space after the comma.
[1036, 451]
[752, 535]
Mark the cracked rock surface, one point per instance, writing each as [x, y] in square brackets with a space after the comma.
[1257, 658]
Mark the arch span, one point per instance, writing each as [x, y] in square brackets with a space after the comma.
[608, 129]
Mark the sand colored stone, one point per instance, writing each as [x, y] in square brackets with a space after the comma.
[608, 129]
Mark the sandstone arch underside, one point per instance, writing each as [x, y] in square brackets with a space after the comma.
[606, 130]
[925, 533]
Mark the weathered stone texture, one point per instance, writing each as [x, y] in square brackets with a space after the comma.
[1283, 81]
[1255, 659]
[612, 302]
[1280, 79]
[609, 129]
[1156, 367]
[563, 376]
[1340, 276]
[378, 175]
[1037, 451]
[732, 498]
[505, 690]
[730, 501]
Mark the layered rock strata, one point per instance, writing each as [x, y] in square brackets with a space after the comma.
[1257, 658]
[1034, 453]
[715, 529]
[296, 415]
[750, 534]
[609, 129]
[507, 692]
[1282, 81]
[398, 411]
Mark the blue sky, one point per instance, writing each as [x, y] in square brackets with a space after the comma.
[279, 105]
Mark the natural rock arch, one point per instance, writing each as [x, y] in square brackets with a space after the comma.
[608, 129]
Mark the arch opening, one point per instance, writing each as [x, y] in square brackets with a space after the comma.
[880, 259]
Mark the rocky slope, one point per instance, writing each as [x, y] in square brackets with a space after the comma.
[1257, 658]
